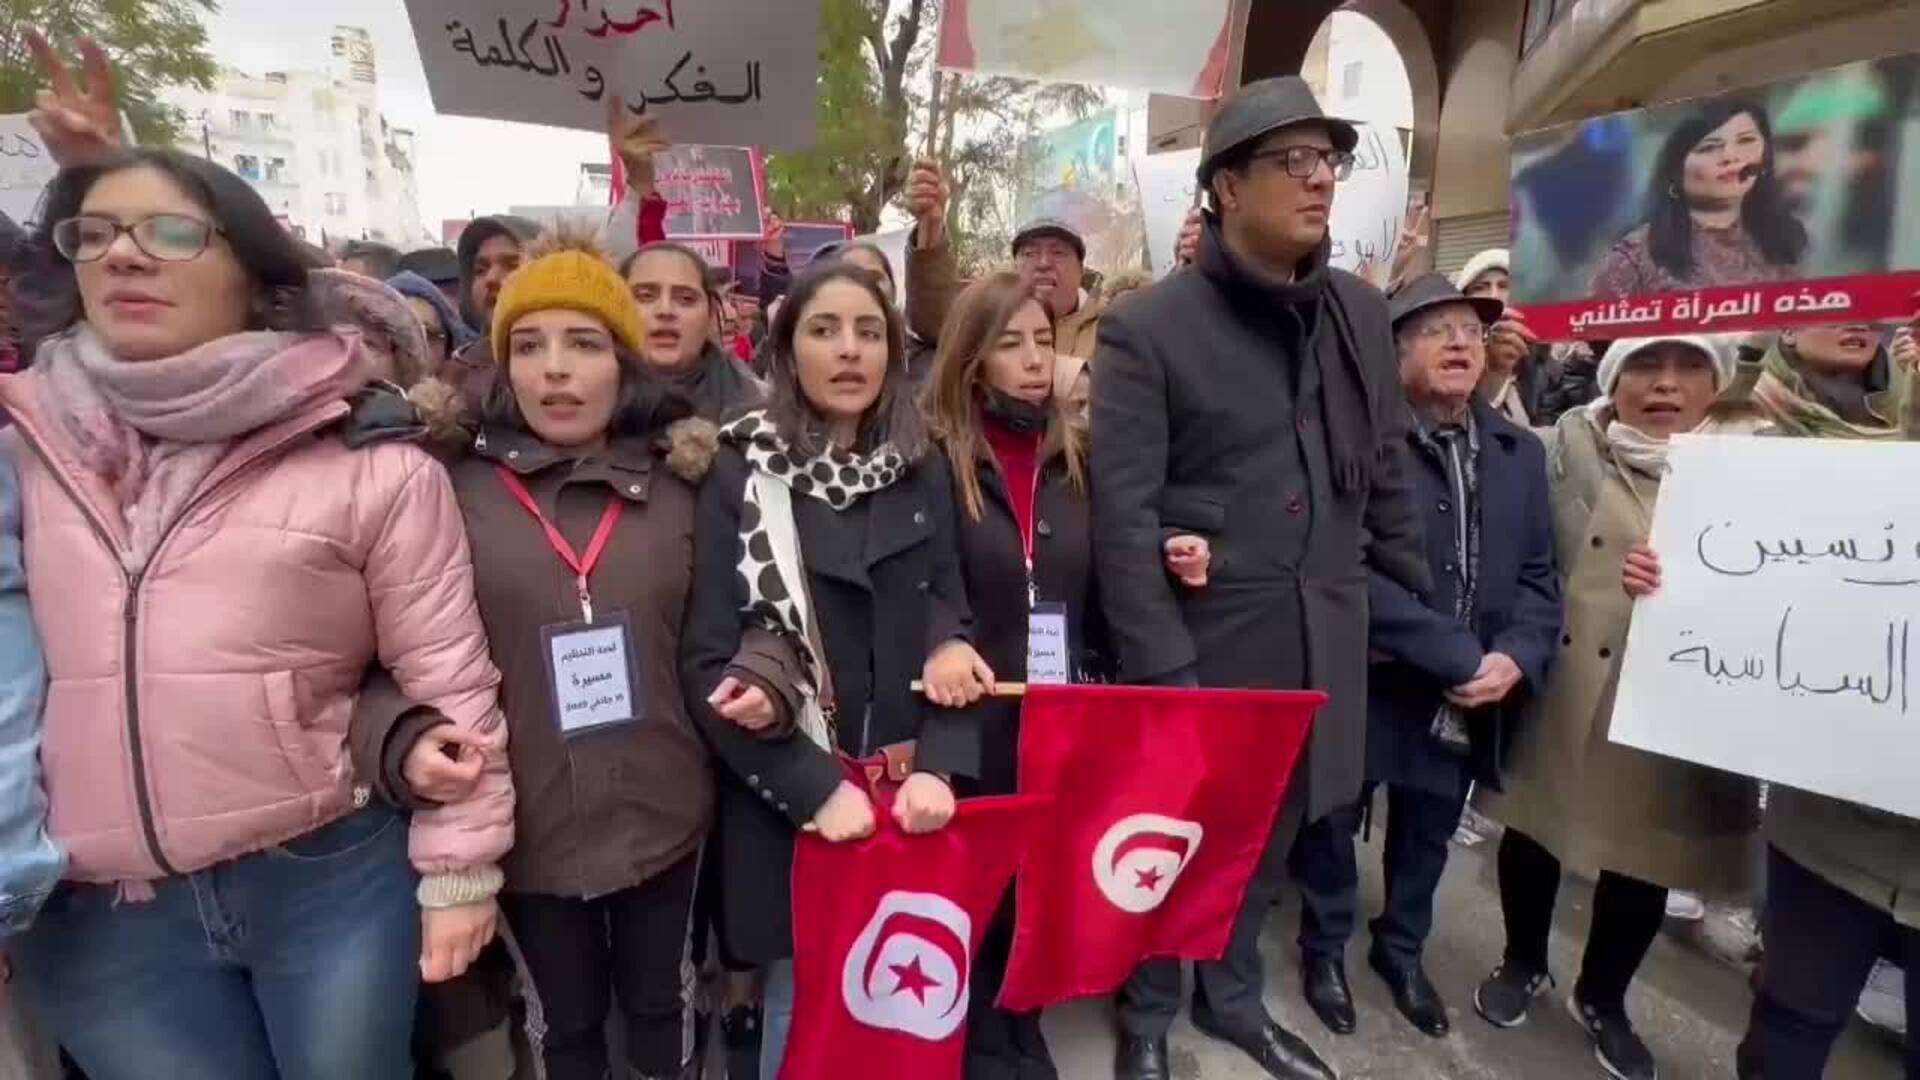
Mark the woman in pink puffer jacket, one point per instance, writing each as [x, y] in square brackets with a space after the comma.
[212, 570]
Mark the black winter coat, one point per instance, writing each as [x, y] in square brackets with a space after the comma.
[1208, 416]
[1425, 650]
[993, 563]
[886, 587]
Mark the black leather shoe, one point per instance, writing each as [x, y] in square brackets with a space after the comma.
[1415, 997]
[1283, 1054]
[1141, 1059]
[1327, 992]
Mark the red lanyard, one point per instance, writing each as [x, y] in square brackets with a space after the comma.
[1026, 537]
[582, 566]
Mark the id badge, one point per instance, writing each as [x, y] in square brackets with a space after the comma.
[590, 674]
[1048, 661]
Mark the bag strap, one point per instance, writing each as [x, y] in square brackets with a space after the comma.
[776, 514]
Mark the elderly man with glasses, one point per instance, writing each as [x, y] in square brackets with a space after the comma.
[1451, 666]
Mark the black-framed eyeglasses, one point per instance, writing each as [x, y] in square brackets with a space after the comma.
[1301, 161]
[166, 237]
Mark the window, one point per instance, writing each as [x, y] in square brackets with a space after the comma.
[268, 122]
[276, 169]
[1350, 77]
[241, 121]
[247, 166]
[336, 204]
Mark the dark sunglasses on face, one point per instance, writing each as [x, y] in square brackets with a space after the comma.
[166, 237]
[1301, 161]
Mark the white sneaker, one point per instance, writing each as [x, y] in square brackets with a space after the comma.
[1884, 1002]
[1685, 906]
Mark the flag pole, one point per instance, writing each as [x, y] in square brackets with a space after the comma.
[1005, 689]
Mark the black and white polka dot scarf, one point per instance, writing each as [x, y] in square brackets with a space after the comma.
[770, 564]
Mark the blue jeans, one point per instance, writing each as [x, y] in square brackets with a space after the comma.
[777, 1004]
[296, 963]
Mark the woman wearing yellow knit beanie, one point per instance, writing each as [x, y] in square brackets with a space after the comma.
[578, 495]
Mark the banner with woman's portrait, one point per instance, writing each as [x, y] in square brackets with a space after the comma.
[1764, 207]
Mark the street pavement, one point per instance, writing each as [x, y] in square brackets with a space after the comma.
[1690, 1006]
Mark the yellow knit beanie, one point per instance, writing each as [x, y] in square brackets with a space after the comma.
[567, 273]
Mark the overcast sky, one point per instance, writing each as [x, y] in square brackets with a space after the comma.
[464, 166]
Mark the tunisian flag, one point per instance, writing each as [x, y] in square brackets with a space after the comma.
[885, 932]
[1162, 803]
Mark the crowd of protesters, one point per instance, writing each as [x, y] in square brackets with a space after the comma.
[286, 549]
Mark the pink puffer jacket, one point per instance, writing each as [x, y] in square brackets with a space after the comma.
[200, 711]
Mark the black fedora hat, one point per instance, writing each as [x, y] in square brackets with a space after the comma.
[1262, 108]
[1434, 290]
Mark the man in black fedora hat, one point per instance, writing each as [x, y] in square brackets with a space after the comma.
[1254, 398]
[1452, 667]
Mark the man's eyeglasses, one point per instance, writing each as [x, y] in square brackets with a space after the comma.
[166, 237]
[1302, 161]
[1463, 331]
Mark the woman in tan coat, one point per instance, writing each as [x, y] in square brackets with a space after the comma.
[1639, 823]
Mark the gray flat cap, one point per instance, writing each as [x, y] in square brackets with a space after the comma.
[1054, 227]
[1262, 108]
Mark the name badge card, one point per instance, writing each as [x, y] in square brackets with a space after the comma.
[1047, 654]
[590, 673]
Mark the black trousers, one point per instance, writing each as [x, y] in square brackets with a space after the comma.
[1230, 988]
[1627, 914]
[1420, 825]
[583, 954]
[1002, 1045]
[1821, 944]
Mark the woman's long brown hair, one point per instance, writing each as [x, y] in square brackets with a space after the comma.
[972, 331]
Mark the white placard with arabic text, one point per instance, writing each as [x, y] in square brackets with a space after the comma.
[1369, 205]
[25, 168]
[732, 72]
[1782, 642]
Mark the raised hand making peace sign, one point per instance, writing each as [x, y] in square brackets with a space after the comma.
[79, 126]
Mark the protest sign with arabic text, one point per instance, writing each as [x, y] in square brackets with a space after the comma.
[1781, 643]
[1136, 44]
[563, 62]
[712, 192]
[25, 168]
[1761, 208]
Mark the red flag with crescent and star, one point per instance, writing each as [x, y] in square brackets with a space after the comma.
[885, 932]
[1162, 803]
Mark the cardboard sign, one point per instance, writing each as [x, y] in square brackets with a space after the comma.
[1369, 204]
[562, 62]
[712, 192]
[1622, 225]
[1781, 643]
[25, 168]
[1136, 44]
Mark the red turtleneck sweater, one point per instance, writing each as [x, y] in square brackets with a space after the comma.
[1019, 458]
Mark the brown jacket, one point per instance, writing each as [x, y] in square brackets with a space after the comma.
[933, 283]
[610, 808]
[1596, 804]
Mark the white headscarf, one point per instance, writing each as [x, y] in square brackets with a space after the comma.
[1635, 448]
[1490, 259]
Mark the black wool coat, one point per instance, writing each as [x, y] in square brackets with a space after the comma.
[886, 587]
[1208, 416]
[993, 564]
[1422, 649]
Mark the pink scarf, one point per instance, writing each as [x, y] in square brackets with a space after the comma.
[154, 430]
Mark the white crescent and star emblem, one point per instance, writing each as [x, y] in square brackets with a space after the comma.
[908, 970]
[1139, 858]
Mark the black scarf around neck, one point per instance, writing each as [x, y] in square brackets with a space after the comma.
[1331, 344]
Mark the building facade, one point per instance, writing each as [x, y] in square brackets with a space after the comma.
[314, 145]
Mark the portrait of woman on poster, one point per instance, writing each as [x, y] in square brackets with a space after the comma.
[1716, 215]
